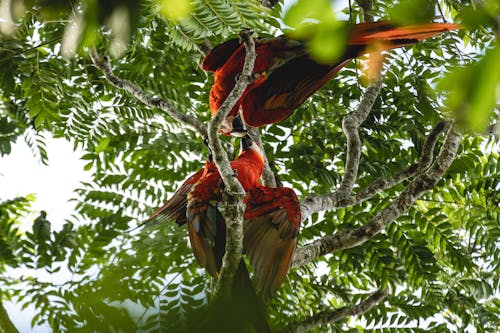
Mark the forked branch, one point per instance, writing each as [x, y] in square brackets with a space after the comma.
[422, 183]
[350, 125]
[320, 202]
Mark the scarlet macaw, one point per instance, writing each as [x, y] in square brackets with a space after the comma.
[286, 75]
[272, 218]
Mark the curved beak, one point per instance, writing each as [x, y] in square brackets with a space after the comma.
[246, 142]
[238, 127]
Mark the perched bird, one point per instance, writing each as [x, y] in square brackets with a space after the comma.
[271, 224]
[286, 75]
[272, 218]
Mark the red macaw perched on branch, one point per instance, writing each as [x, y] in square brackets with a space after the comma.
[286, 75]
[272, 218]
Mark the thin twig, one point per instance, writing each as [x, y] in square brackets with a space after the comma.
[5, 58]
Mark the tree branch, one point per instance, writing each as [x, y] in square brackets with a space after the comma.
[423, 164]
[268, 178]
[367, 6]
[234, 193]
[331, 316]
[316, 203]
[105, 66]
[422, 183]
[350, 125]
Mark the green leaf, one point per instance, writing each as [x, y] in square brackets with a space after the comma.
[412, 12]
[315, 23]
[473, 91]
[103, 144]
[175, 9]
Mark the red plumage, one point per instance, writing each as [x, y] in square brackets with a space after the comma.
[287, 75]
[175, 208]
[272, 219]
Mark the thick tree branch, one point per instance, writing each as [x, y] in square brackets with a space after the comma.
[234, 192]
[316, 203]
[331, 316]
[268, 178]
[350, 124]
[354, 237]
[105, 66]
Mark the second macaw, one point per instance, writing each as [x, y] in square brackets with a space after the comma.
[272, 218]
[271, 224]
[286, 75]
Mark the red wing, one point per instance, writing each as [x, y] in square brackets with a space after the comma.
[289, 85]
[207, 234]
[272, 222]
[175, 208]
[285, 89]
[270, 249]
[219, 55]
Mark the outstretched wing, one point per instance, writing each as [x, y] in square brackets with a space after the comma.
[289, 85]
[285, 89]
[175, 208]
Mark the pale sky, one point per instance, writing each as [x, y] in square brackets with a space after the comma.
[53, 185]
[22, 174]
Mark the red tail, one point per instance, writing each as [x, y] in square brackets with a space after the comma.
[288, 86]
[394, 36]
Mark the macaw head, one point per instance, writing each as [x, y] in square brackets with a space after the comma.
[247, 143]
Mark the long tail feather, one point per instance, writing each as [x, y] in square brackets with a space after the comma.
[367, 33]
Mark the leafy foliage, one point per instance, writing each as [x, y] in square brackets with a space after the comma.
[441, 258]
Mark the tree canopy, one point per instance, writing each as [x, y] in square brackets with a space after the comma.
[412, 244]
